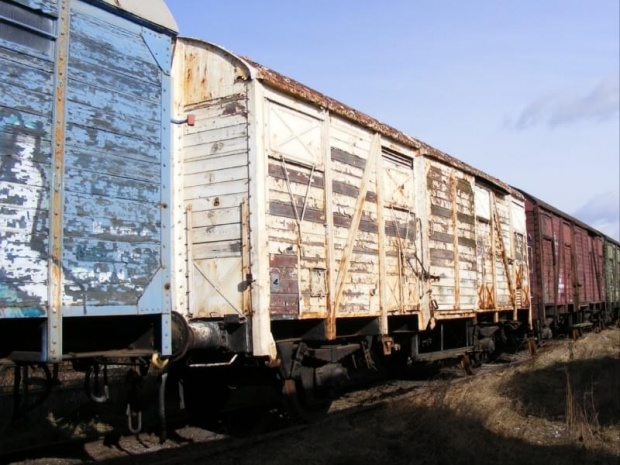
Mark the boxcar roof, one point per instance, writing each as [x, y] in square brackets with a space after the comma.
[290, 86]
[560, 213]
[153, 11]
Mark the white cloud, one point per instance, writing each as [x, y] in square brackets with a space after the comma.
[600, 103]
[603, 213]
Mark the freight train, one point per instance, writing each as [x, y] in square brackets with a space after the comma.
[166, 203]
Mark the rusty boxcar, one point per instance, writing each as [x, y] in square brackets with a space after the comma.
[303, 227]
[568, 280]
[84, 179]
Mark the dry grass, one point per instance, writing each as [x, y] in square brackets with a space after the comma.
[561, 407]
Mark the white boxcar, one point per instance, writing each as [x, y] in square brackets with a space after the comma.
[299, 218]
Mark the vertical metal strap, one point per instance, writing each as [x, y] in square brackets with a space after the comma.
[502, 250]
[245, 257]
[383, 286]
[455, 240]
[54, 320]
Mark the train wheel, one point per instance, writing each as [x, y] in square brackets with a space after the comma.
[305, 404]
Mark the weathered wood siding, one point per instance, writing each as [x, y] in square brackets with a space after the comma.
[390, 252]
[612, 272]
[26, 105]
[520, 265]
[502, 251]
[452, 237]
[113, 162]
[300, 240]
[582, 278]
[403, 240]
[597, 263]
[111, 179]
[213, 173]
[568, 263]
[296, 171]
[344, 222]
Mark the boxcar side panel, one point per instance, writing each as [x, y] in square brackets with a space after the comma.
[452, 237]
[112, 238]
[357, 273]
[582, 279]
[612, 272]
[521, 270]
[84, 131]
[26, 111]
[212, 177]
[597, 266]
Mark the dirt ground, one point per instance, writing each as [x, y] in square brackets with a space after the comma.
[560, 407]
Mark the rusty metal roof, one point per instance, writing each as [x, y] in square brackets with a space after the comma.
[560, 213]
[292, 87]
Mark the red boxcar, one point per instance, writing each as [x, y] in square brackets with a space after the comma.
[567, 269]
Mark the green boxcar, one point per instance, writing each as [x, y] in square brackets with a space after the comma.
[612, 275]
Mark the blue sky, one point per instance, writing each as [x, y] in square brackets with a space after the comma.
[527, 91]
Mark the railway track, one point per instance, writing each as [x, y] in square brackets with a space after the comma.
[189, 444]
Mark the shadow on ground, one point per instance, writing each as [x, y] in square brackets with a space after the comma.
[593, 385]
[394, 434]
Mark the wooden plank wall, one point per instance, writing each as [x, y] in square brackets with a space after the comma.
[582, 277]
[215, 185]
[112, 214]
[212, 179]
[612, 271]
[298, 262]
[452, 236]
[26, 105]
[350, 153]
[598, 264]
[299, 279]
[502, 287]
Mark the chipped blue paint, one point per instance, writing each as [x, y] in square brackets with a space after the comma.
[159, 46]
[94, 117]
[95, 41]
[25, 154]
[115, 102]
[49, 7]
[116, 177]
[106, 142]
[22, 312]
